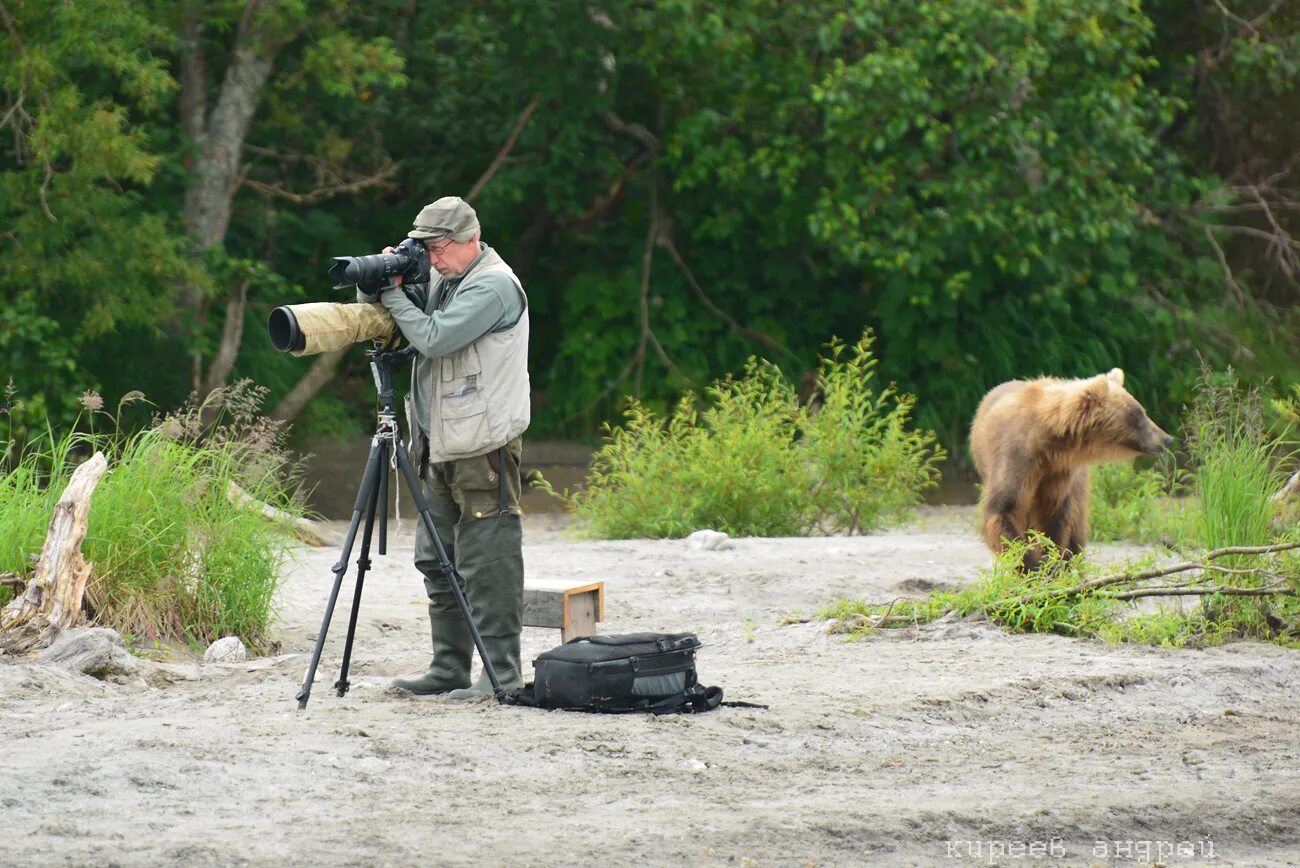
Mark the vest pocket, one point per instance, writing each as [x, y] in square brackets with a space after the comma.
[464, 418]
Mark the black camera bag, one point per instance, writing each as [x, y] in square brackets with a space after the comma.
[652, 672]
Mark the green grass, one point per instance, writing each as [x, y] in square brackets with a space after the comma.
[750, 460]
[174, 559]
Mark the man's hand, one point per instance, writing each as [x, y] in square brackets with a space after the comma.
[397, 280]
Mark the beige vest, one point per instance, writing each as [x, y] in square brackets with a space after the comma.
[480, 395]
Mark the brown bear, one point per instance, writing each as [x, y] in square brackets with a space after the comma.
[1032, 441]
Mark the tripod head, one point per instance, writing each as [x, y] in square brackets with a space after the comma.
[381, 365]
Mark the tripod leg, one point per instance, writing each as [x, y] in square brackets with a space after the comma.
[363, 562]
[383, 505]
[369, 480]
[413, 484]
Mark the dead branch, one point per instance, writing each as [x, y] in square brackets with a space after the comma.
[1180, 567]
[1239, 295]
[1282, 590]
[603, 201]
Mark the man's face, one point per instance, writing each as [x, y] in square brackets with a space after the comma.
[451, 258]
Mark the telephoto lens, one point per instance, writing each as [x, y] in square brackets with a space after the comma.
[285, 334]
[307, 329]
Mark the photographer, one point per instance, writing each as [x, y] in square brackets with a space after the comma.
[467, 409]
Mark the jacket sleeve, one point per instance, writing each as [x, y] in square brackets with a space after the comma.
[477, 309]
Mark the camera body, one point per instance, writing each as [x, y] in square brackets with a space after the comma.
[376, 272]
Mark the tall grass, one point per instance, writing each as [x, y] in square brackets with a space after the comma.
[174, 557]
[1235, 463]
[753, 462]
[1237, 468]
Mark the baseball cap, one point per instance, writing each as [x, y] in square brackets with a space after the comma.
[450, 215]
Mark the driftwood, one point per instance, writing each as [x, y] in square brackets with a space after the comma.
[1291, 489]
[310, 532]
[52, 599]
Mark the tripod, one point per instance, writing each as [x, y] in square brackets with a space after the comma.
[372, 502]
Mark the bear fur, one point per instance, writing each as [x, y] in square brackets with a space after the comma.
[1033, 440]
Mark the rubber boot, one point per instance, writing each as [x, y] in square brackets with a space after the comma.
[449, 669]
[453, 646]
[504, 653]
[489, 555]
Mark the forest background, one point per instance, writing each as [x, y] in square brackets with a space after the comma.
[997, 189]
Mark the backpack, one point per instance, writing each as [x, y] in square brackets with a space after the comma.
[652, 672]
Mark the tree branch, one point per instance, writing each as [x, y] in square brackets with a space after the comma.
[1157, 572]
[1282, 590]
[766, 340]
[505, 149]
[643, 301]
[320, 194]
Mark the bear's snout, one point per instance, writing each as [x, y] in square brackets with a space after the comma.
[1156, 441]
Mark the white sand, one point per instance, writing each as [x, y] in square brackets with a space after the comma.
[944, 744]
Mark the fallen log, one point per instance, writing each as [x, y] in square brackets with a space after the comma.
[311, 532]
[52, 599]
[1291, 489]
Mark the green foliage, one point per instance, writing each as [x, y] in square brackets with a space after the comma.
[667, 179]
[753, 462]
[175, 556]
[1135, 503]
[975, 171]
[868, 464]
[84, 249]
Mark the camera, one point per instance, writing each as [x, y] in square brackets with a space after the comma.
[376, 272]
[306, 329]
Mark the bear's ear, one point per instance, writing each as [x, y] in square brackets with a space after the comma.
[1095, 392]
[1116, 376]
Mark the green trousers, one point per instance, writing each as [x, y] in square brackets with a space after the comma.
[475, 506]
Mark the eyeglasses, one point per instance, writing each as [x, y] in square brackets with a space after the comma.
[436, 249]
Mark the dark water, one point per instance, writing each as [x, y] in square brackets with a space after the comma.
[333, 475]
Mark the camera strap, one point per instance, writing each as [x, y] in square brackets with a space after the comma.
[502, 457]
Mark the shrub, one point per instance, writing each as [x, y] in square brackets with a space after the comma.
[753, 462]
[175, 558]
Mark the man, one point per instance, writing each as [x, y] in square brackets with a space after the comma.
[468, 406]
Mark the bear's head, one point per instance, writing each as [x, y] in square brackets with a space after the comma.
[1109, 423]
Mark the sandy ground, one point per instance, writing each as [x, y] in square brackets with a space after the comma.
[952, 743]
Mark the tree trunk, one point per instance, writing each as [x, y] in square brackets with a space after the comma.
[52, 601]
[320, 373]
[220, 140]
[232, 332]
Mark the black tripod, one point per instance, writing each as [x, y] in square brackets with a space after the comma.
[372, 501]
